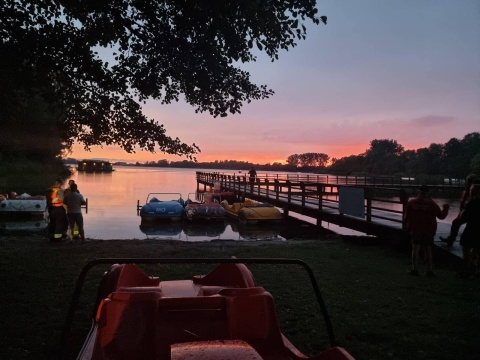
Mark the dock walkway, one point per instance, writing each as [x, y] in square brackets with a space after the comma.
[383, 214]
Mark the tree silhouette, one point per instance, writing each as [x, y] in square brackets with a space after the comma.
[161, 50]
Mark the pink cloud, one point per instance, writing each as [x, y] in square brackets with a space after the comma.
[432, 121]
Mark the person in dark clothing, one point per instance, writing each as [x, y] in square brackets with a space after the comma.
[74, 202]
[252, 175]
[57, 226]
[470, 239]
[73, 232]
[69, 189]
[458, 222]
[421, 223]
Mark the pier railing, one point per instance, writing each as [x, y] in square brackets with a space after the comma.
[356, 180]
[317, 196]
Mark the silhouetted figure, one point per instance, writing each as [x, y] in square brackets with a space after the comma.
[457, 222]
[470, 239]
[57, 226]
[74, 202]
[252, 175]
[421, 223]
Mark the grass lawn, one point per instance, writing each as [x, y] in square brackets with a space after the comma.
[377, 310]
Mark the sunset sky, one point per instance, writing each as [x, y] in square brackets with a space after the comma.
[407, 70]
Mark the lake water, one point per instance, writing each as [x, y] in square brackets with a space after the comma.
[112, 207]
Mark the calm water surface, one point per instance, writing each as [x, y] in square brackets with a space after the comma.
[112, 207]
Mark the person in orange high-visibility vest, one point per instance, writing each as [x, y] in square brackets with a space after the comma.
[58, 224]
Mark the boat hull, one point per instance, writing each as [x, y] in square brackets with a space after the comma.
[253, 213]
[204, 212]
[220, 315]
[34, 207]
[162, 210]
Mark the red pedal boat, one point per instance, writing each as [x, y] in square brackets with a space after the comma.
[221, 315]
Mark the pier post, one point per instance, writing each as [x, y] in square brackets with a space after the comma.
[276, 188]
[289, 191]
[320, 190]
[404, 200]
[302, 186]
[368, 197]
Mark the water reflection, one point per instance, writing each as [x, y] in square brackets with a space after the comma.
[257, 232]
[23, 225]
[205, 231]
[213, 229]
[162, 230]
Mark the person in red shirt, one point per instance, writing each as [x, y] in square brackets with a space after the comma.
[421, 223]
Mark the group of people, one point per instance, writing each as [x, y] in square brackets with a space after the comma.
[420, 221]
[65, 212]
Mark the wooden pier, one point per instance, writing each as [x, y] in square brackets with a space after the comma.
[320, 197]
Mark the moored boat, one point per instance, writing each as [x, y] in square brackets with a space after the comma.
[251, 212]
[24, 206]
[205, 206]
[220, 315]
[94, 166]
[157, 209]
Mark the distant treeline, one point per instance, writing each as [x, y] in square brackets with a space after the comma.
[456, 159]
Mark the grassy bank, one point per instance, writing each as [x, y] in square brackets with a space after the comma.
[377, 310]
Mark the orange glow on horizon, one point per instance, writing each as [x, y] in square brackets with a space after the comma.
[116, 154]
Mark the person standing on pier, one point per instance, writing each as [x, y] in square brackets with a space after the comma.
[252, 175]
[421, 223]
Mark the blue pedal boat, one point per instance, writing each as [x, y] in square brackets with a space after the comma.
[157, 208]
